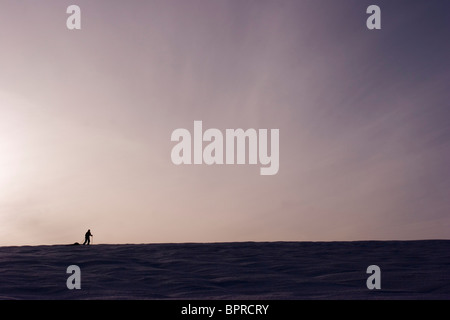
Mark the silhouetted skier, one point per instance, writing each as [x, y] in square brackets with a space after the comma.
[87, 237]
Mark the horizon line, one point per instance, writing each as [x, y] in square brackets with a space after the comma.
[224, 242]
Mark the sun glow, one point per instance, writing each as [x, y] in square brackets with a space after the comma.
[12, 143]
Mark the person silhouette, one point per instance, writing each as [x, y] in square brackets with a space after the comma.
[87, 237]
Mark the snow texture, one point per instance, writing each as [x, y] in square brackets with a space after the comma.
[242, 270]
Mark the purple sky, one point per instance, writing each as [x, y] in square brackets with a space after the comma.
[86, 118]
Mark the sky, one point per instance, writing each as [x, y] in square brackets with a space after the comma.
[86, 118]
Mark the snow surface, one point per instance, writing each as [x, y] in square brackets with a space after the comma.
[242, 270]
